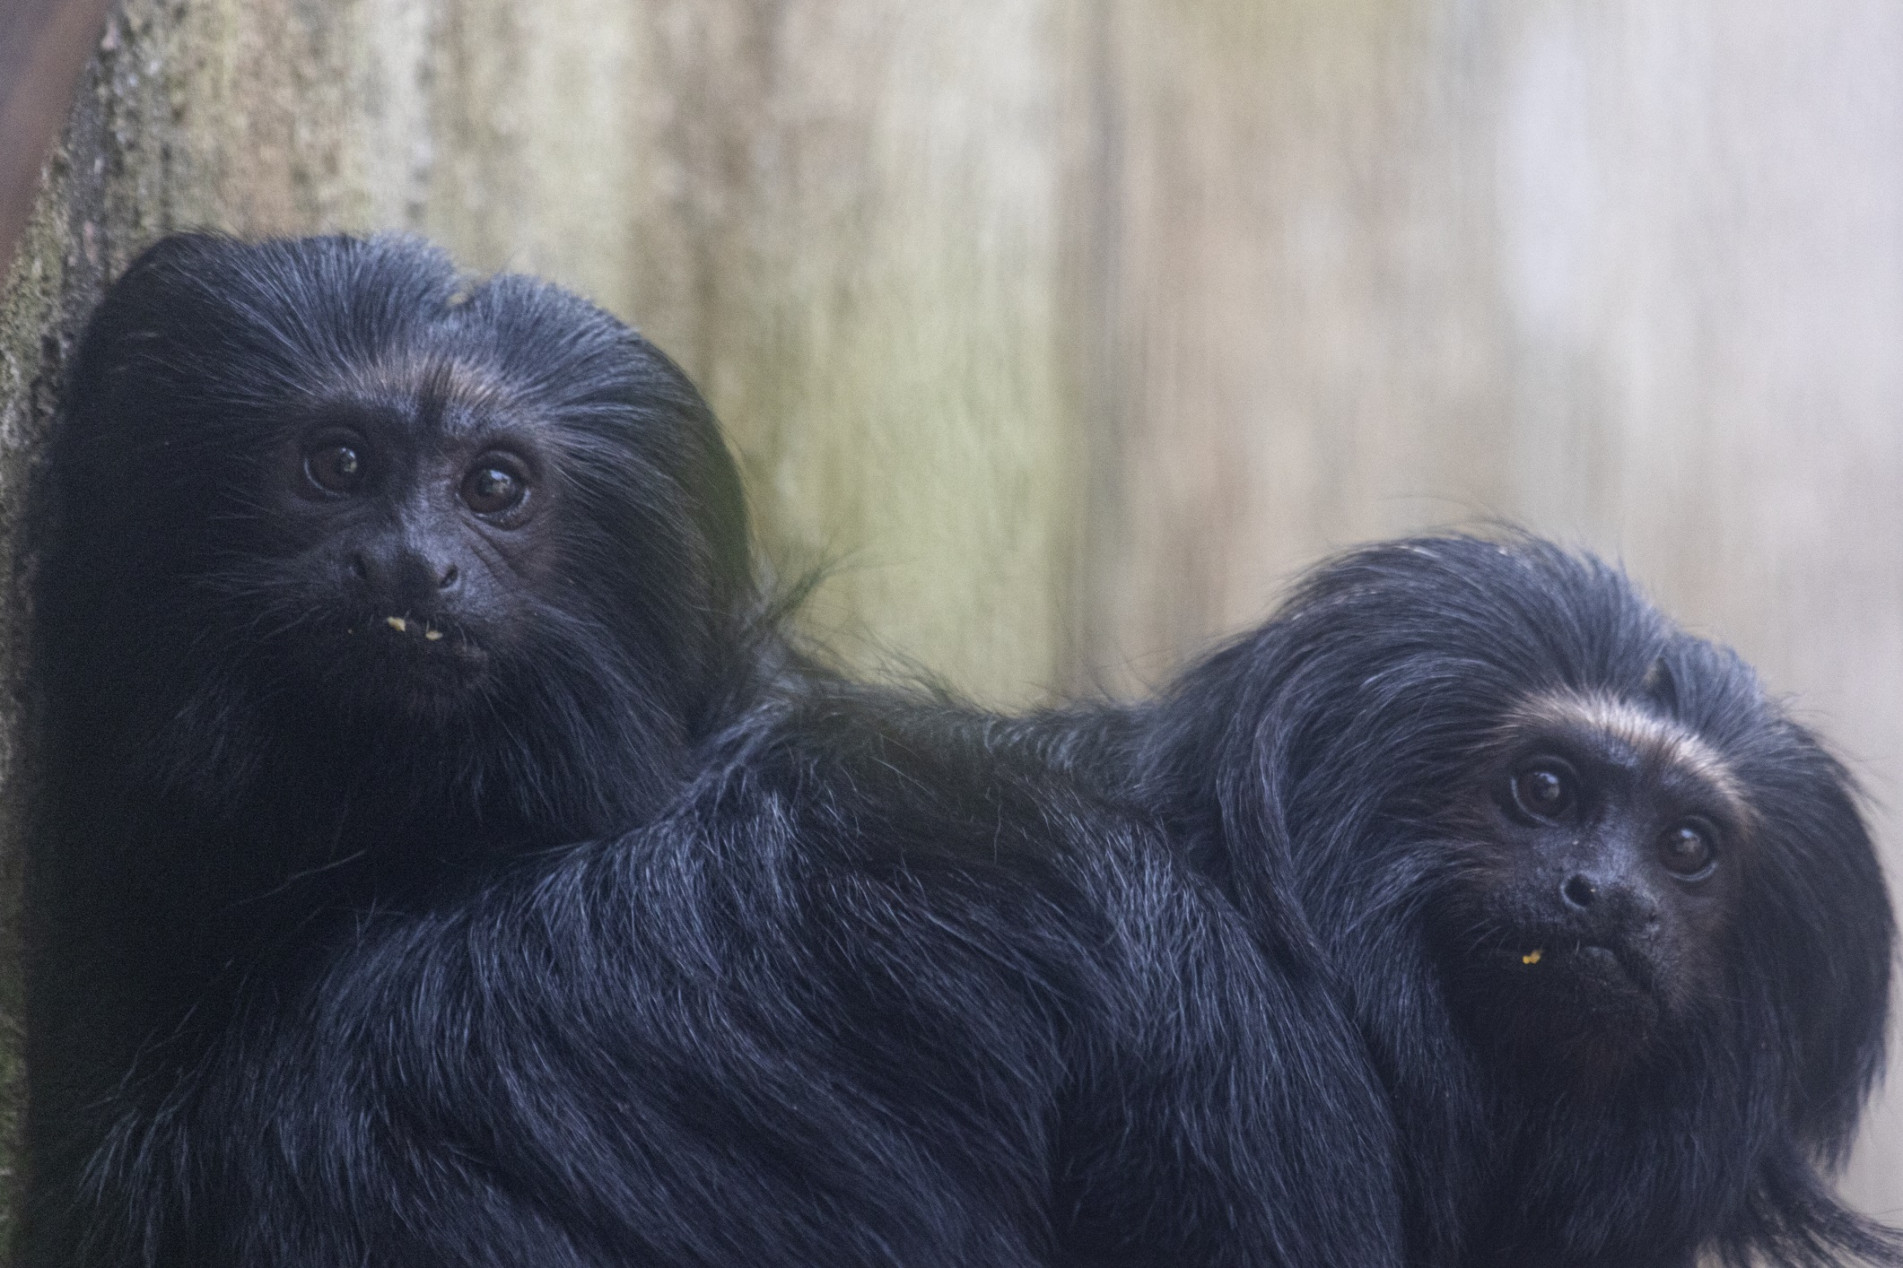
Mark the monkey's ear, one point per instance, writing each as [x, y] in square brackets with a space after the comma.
[1661, 686]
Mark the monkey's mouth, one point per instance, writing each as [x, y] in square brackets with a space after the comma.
[397, 663]
[425, 650]
[376, 633]
[416, 627]
[1607, 966]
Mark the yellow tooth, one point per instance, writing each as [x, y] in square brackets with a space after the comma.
[432, 635]
[396, 623]
[1532, 957]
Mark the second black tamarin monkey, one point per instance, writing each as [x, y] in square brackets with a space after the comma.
[379, 615]
[1610, 919]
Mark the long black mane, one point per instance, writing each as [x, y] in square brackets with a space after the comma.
[1322, 751]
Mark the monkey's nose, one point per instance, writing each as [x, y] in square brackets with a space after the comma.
[1579, 891]
[404, 579]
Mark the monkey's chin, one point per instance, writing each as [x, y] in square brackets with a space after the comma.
[1578, 1014]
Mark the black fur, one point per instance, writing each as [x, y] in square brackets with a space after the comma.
[873, 994]
[241, 746]
[880, 987]
[1339, 747]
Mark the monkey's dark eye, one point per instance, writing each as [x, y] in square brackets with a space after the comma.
[335, 465]
[496, 483]
[1544, 790]
[1686, 849]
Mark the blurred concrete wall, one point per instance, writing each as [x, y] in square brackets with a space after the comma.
[1065, 329]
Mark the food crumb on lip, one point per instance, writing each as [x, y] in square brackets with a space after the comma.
[1533, 956]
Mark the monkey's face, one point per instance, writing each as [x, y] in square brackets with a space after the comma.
[415, 537]
[1598, 858]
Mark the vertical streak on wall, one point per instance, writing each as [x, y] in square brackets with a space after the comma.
[1103, 375]
[395, 148]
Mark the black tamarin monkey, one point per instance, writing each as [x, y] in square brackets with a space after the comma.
[368, 597]
[355, 575]
[1610, 919]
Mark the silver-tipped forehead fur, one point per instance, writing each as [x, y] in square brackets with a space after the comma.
[1657, 741]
